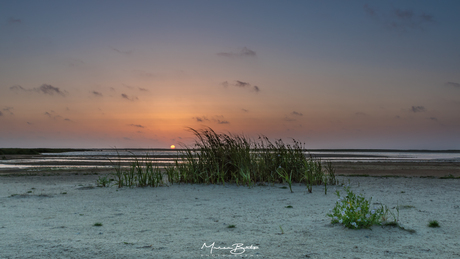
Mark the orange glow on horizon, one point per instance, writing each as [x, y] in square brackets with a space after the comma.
[173, 147]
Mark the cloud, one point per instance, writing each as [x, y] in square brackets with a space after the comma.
[416, 109]
[143, 89]
[222, 122]
[296, 113]
[18, 87]
[49, 89]
[453, 84]
[201, 119]
[400, 19]
[241, 83]
[125, 96]
[9, 110]
[244, 52]
[288, 119]
[12, 20]
[1, 113]
[122, 52]
[97, 93]
[136, 125]
[433, 119]
[244, 110]
[360, 114]
[44, 88]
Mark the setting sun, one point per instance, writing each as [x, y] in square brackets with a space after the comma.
[173, 147]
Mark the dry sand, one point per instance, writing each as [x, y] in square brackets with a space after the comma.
[54, 217]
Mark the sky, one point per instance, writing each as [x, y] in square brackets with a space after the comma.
[139, 74]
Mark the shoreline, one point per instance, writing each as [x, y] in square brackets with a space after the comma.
[434, 169]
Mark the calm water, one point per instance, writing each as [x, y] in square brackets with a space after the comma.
[109, 157]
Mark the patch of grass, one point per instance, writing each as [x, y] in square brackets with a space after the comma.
[428, 176]
[433, 224]
[218, 158]
[231, 226]
[289, 207]
[97, 224]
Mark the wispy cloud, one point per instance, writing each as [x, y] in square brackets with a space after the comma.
[244, 110]
[13, 20]
[201, 119]
[8, 110]
[129, 52]
[133, 98]
[416, 109]
[244, 52]
[400, 19]
[296, 113]
[143, 89]
[96, 93]
[1, 113]
[219, 119]
[241, 84]
[288, 119]
[453, 84]
[44, 88]
[136, 125]
[433, 119]
[49, 89]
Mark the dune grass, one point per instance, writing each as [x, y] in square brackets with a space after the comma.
[219, 158]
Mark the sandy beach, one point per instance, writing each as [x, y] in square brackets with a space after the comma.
[54, 216]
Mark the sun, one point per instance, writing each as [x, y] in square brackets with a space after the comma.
[173, 147]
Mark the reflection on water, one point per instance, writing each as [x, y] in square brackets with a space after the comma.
[110, 157]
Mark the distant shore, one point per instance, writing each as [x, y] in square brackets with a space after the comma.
[382, 169]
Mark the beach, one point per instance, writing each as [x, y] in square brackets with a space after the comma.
[54, 214]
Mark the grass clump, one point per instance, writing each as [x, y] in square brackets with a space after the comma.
[142, 172]
[231, 226]
[218, 158]
[433, 224]
[97, 224]
[355, 212]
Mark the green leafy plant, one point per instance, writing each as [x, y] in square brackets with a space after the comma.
[355, 212]
[433, 224]
[103, 181]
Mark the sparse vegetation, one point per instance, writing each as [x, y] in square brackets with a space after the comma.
[433, 224]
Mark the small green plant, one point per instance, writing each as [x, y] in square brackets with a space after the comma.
[289, 207]
[282, 231]
[355, 212]
[231, 226]
[97, 224]
[433, 224]
[286, 177]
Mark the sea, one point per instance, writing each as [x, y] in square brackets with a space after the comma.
[107, 158]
